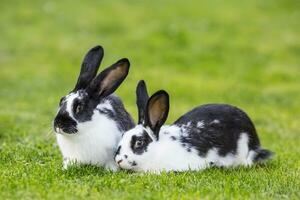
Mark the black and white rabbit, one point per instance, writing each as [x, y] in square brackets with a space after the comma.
[90, 120]
[209, 135]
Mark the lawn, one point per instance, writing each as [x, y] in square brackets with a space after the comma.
[245, 53]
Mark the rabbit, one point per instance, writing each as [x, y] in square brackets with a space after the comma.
[217, 135]
[91, 119]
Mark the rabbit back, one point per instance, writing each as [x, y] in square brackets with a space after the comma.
[217, 126]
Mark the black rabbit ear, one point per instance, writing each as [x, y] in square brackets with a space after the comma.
[110, 79]
[141, 100]
[157, 111]
[89, 67]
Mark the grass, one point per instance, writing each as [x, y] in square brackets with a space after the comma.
[245, 53]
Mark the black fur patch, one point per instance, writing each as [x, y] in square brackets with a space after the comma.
[64, 121]
[173, 138]
[133, 163]
[120, 115]
[145, 140]
[118, 151]
[88, 105]
[223, 135]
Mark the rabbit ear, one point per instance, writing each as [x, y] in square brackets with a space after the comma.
[141, 100]
[157, 111]
[110, 79]
[89, 67]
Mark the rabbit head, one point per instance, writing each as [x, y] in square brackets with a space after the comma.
[78, 106]
[153, 113]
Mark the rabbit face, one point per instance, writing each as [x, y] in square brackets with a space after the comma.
[74, 108]
[64, 121]
[133, 146]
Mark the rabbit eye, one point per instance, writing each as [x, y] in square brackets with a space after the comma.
[78, 108]
[138, 144]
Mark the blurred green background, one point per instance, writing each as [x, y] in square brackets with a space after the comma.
[245, 53]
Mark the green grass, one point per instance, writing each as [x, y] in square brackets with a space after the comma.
[245, 53]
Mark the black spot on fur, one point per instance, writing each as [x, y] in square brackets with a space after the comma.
[118, 151]
[173, 138]
[223, 136]
[144, 140]
[133, 163]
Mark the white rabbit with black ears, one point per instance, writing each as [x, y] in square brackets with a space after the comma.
[90, 119]
[209, 135]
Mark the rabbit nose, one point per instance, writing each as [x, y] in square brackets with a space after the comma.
[119, 161]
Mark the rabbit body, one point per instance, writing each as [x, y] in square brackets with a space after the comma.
[91, 119]
[210, 135]
[96, 140]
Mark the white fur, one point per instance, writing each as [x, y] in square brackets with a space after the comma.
[94, 143]
[106, 105]
[215, 121]
[166, 154]
[200, 124]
